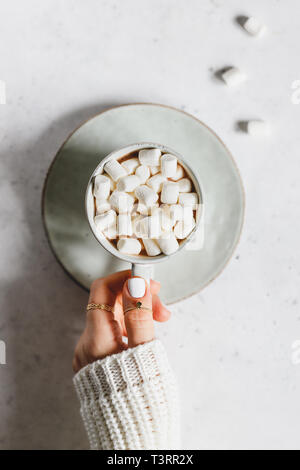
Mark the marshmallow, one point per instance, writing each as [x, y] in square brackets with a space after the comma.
[143, 173]
[101, 186]
[185, 185]
[130, 165]
[102, 206]
[233, 76]
[146, 195]
[150, 226]
[254, 26]
[129, 246]
[111, 232]
[176, 213]
[128, 183]
[188, 199]
[163, 212]
[258, 128]
[112, 182]
[156, 182]
[121, 201]
[149, 157]
[168, 165]
[151, 247]
[136, 226]
[170, 192]
[106, 220]
[188, 214]
[168, 243]
[182, 229]
[179, 173]
[154, 170]
[124, 225]
[115, 170]
[142, 209]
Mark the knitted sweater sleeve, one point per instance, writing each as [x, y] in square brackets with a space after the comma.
[129, 400]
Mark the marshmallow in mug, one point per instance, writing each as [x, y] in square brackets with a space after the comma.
[145, 202]
[146, 195]
[170, 192]
[101, 187]
[143, 173]
[150, 157]
[115, 170]
[129, 246]
[130, 165]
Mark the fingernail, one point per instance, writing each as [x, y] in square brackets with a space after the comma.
[136, 287]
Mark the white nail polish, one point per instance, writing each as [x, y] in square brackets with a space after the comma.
[136, 287]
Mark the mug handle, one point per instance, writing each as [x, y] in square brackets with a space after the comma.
[143, 270]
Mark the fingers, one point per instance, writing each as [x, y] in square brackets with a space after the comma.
[154, 287]
[160, 312]
[139, 322]
[104, 290]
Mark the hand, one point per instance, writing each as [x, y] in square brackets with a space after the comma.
[104, 331]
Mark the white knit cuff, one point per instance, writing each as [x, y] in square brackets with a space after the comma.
[129, 400]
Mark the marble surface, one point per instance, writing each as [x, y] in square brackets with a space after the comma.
[231, 345]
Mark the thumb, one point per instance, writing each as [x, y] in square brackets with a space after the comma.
[138, 321]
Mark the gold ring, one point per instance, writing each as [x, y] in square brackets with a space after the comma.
[138, 306]
[108, 308]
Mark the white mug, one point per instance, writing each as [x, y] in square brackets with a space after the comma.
[142, 265]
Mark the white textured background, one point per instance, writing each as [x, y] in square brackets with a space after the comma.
[64, 61]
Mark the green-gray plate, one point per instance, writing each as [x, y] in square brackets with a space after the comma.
[63, 202]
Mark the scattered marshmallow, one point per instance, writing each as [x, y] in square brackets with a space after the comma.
[129, 246]
[156, 182]
[185, 185]
[254, 26]
[106, 220]
[143, 173]
[179, 173]
[130, 165]
[168, 243]
[233, 76]
[149, 157]
[124, 225]
[146, 195]
[188, 199]
[154, 170]
[128, 183]
[151, 247]
[121, 201]
[258, 128]
[101, 187]
[102, 206]
[182, 229]
[168, 165]
[170, 192]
